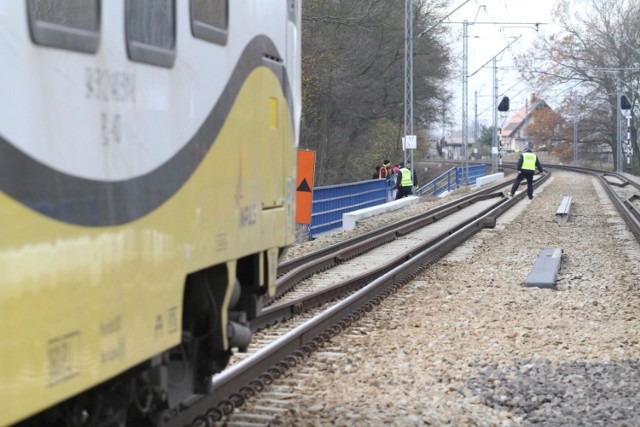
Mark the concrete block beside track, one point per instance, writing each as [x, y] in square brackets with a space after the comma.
[349, 219]
[484, 180]
[545, 269]
[562, 214]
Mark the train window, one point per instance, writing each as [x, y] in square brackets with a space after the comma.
[65, 24]
[210, 20]
[151, 31]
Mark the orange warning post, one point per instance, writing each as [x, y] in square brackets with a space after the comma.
[304, 186]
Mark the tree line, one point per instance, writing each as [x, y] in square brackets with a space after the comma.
[353, 82]
[593, 60]
[353, 79]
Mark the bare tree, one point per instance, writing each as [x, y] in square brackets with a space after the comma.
[597, 50]
[353, 82]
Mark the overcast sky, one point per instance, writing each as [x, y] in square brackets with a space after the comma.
[493, 25]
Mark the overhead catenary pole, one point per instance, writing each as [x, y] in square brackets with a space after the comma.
[618, 130]
[575, 129]
[476, 130]
[409, 69]
[618, 158]
[408, 74]
[617, 151]
[465, 78]
[526, 123]
[465, 102]
[494, 148]
[408, 66]
[494, 134]
[628, 142]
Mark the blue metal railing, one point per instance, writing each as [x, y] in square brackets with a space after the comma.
[330, 202]
[475, 171]
[451, 180]
[447, 181]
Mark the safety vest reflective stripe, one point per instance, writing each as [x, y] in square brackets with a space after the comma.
[406, 178]
[529, 161]
[383, 173]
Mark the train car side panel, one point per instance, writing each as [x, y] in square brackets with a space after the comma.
[121, 182]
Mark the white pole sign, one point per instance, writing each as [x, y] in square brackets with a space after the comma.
[410, 142]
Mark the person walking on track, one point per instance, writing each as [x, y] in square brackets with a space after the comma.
[528, 162]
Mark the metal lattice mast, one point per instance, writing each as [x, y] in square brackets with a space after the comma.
[575, 128]
[408, 71]
[465, 102]
[495, 150]
[618, 128]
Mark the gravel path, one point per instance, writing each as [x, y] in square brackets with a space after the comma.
[465, 343]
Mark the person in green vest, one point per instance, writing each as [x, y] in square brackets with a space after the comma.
[528, 162]
[404, 182]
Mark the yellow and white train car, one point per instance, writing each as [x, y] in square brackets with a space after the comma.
[147, 171]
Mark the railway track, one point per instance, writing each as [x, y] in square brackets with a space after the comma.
[623, 193]
[449, 226]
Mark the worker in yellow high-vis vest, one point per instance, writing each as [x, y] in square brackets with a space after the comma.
[404, 183]
[528, 162]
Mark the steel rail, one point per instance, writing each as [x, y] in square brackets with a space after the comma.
[293, 271]
[608, 180]
[233, 386]
[624, 207]
[291, 264]
[281, 311]
[629, 203]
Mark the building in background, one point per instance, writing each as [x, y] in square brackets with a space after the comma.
[515, 131]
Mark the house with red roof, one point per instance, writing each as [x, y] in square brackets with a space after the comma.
[514, 131]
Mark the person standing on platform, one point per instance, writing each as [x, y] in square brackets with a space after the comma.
[528, 162]
[383, 173]
[404, 182]
[376, 173]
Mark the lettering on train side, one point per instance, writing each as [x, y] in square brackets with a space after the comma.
[222, 242]
[110, 127]
[113, 352]
[103, 84]
[159, 326]
[61, 355]
[111, 326]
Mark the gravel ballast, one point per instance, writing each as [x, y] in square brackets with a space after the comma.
[466, 343]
